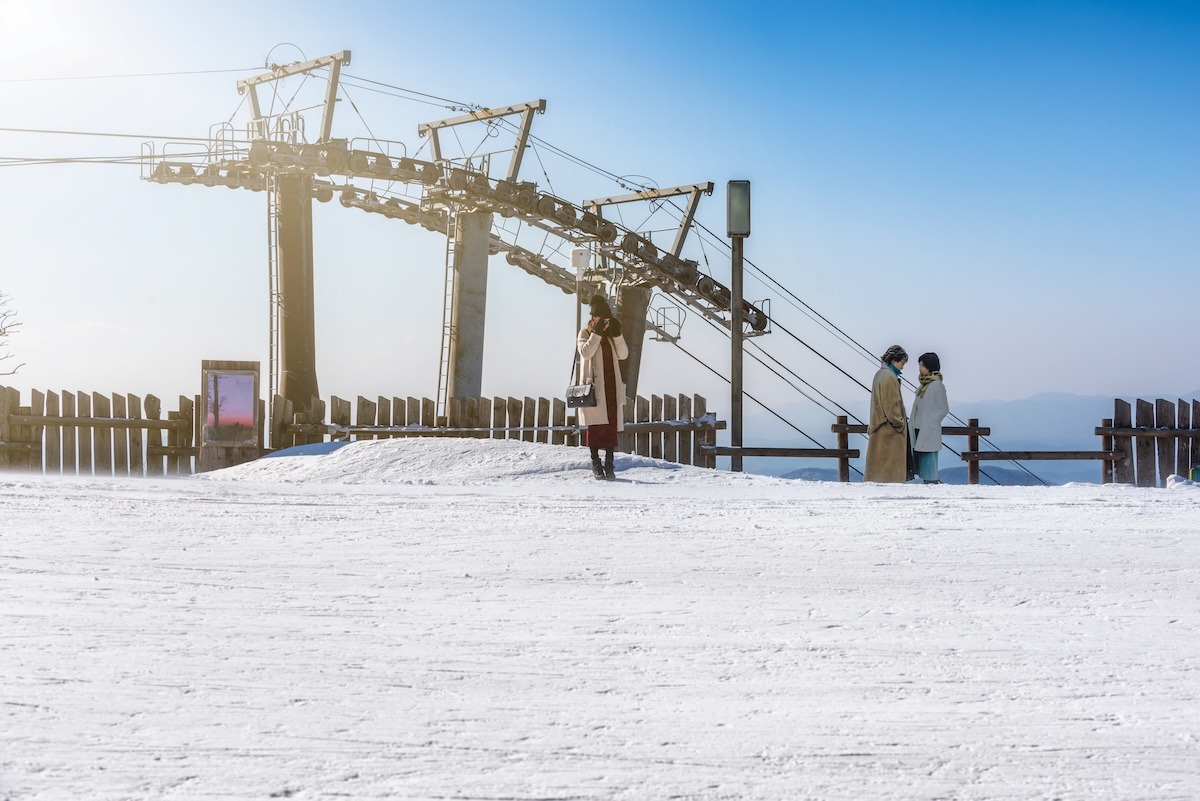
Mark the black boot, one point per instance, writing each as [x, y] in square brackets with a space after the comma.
[597, 468]
[609, 473]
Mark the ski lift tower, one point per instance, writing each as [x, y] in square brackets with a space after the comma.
[292, 345]
[468, 245]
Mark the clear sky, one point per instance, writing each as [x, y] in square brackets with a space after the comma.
[1015, 186]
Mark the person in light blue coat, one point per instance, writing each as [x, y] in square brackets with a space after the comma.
[929, 409]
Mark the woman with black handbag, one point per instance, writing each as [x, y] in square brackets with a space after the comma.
[601, 347]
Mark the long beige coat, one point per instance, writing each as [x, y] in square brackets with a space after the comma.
[887, 443]
[592, 361]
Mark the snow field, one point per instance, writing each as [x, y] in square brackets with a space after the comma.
[420, 619]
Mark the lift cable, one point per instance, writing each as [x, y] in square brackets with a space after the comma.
[791, 372]
[752, 397]
[125, 75]
[849, 339]
[620, 180]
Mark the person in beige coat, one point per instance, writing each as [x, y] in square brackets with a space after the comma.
[601, 347]
[887, 432]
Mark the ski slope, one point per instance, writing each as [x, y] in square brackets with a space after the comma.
[476, 619]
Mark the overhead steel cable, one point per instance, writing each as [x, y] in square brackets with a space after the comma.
[861, 348]
[791, 372]
[106, 134]
[45, 79]
[764, 406]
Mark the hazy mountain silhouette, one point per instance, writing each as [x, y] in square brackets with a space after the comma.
[1050, 421]
[991, 474]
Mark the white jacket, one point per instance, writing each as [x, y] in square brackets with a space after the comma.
[928, 412]
[593, 370]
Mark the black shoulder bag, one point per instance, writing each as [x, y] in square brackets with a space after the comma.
[579, 395]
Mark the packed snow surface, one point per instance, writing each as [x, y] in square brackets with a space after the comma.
[475, 619]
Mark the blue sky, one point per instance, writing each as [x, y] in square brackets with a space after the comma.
[1012, 185]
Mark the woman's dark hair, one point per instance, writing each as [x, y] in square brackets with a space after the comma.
[931, 361]
[894, 354]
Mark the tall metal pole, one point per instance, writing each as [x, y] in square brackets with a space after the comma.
[735, 372]
[737, 196]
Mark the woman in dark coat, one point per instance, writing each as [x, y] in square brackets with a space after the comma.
[601, 346]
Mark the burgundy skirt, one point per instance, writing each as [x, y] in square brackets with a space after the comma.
[605, 435]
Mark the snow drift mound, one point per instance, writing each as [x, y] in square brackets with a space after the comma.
[425, 460]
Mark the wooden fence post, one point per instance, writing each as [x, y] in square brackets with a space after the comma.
[484, 416]
[136, 436]
[154, 438]
[317, 410]
[475, 416]
[1183, 443]
[339, 415]
[412, 412]
[1106, 444]
[656, 416]
[973, 445]
[514, 417]
[120, 436]
[702, 438]
[1123, 418]
[1164, 417]
[364, 416]
[843, 443]
[558, 417]
[187, 433]
[34, 433]
[8, 405]
[543, 419]
[499, 418]
[686, 435]
[102, 435]
[383, 414]
[670, 441]
[85, 432]
[626, 441]
[70, 462]
[641, 442]
[528, 418]
[1194, 449]
[53, 458]
[1146, 476]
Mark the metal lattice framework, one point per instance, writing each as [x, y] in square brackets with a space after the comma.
[433, 193]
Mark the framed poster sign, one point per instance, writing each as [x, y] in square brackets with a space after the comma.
[230, 404]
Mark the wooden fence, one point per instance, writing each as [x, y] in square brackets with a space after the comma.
[1162, 438]
[90, 433]
[122, 434]
[675, 428]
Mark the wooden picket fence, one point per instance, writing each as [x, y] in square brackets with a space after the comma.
[1162, 438]
[89, 433]
[675, 428]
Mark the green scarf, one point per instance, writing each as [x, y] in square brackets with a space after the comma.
[925, 381]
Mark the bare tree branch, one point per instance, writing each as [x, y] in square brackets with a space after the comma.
[8, 324]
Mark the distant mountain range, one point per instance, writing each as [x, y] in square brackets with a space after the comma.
[1003, 476]
[1051, 421]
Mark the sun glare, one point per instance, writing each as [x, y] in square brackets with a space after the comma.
[30, 28]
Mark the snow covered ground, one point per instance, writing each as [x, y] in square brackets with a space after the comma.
[470, 619]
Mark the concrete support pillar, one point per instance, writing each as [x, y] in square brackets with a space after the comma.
[633, 302]
[473, 230]
[297, 319]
